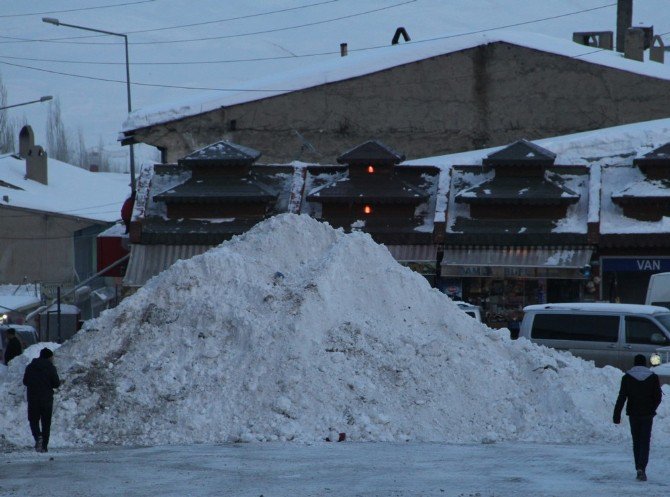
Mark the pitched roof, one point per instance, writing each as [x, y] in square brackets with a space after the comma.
[358, 64]
[218, 190]
[224, 153]
[71, 190]
[521, 152]
[659, 156]
[375, 188]
[518, 190]
[372, 151]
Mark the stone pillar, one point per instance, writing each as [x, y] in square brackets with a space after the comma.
[624, 20]
[26, 141]
[36, 165]
[634, 44]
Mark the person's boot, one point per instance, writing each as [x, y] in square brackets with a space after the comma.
[38, 444]
[641, 476]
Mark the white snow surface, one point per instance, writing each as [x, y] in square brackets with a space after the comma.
[296, 331]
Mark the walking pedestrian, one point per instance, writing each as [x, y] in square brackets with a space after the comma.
[41, 378]
[641, 392]
[14, 347]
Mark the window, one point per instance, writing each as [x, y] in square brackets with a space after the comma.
[584, 327]
[644, 331]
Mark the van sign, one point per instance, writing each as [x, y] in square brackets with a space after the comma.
[635, 264]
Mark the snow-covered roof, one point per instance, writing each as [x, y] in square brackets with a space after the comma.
[362, 63]
[71, 191]
[609, 153]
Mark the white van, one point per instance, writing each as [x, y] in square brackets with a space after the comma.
[608, 334]
[658, 291]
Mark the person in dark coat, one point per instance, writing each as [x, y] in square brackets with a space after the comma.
[41, 378]
[641, 392]
[14, 347]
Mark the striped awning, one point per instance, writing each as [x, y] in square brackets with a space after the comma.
[531, 257]
[147, 261]
[414, 253]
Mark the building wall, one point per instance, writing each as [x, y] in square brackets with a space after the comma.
[37, 246]
[485, 96]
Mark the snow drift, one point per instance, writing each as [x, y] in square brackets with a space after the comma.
[295, 331]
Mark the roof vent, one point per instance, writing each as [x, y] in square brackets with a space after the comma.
[657, 50]
[344, 50]
[600, 39]
[400, 32]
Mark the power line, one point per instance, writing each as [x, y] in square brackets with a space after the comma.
[158, 85]
[209, 38]
[77, 10]
[315, 54]
[17, 40]
[232, 18]
[155, 85]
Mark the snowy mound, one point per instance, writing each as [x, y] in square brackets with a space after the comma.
[296, 331]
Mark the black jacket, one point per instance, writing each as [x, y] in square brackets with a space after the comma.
[13, 349]
[641, 392]
[41, 378]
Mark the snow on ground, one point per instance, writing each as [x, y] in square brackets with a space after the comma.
[295, 331]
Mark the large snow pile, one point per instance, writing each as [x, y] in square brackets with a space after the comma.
[296, 331]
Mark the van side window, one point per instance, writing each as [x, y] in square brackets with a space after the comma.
[576, 327]
[644, 331]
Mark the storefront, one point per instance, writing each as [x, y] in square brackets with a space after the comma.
[502, 280]
[625, 279]
[419, 258]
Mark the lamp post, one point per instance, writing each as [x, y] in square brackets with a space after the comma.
[56, 22]
[41, 99]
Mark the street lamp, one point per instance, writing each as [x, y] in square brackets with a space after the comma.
[41, 99]
[56, 22]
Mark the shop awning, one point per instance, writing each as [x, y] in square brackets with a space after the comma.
[147, 261]
[413, 253]
[531, 262]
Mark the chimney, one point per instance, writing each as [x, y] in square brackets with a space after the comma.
[624, 20]
[344, 51]
[26, 141]
[657, 51]
[36, 164]
[634, 44]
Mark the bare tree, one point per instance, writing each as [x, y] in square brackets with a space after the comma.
[82, 153]
[57, 142]
[6, 135]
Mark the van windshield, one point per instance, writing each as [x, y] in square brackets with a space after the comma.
[664, 320]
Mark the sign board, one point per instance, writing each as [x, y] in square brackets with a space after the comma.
[635, 264]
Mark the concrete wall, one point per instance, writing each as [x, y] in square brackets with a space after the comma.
[485, 96]
[37, 246]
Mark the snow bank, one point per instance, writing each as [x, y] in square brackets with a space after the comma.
[295, 331]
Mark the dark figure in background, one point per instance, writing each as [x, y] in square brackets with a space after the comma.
[14, 347]
[41, 378]
[641, 392]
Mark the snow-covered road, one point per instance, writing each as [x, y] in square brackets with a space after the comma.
[336, 469]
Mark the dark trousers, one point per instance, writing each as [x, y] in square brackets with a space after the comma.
[640, 430]
[39, 413]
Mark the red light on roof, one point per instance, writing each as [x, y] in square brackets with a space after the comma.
[367, 209]
[371, 169]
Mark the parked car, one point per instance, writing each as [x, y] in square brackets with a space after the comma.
[608, 334]
[26, 334]
[471, 310]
